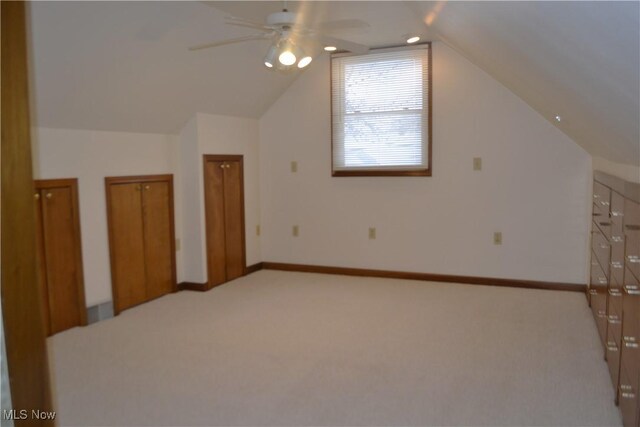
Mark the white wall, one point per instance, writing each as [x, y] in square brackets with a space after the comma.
[534, 187]
[90, 156]
[215, 134]
[192, 242]
[236, 135]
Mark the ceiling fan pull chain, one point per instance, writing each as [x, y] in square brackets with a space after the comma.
[285, 6]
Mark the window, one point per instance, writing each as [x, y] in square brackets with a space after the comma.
[381, 112]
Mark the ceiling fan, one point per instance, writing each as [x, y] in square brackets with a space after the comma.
[293, 42]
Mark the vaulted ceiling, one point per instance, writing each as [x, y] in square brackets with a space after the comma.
[125, 65]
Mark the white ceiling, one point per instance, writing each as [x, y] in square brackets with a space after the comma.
[579, 60]
[124, 65]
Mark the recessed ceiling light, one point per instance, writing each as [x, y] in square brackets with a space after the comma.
[330, 48]
[558, 119]
[413, 39]
[304, 62]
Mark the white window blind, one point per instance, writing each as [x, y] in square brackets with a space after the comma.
[380, 110]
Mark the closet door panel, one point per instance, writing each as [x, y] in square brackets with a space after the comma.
[60, 253]
[215, 221]
[158, 238]
[41, 262]
[127, 245]
[233, 215]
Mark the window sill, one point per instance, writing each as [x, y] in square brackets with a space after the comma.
[343, 173]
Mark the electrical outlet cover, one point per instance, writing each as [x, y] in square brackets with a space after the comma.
[497, 238]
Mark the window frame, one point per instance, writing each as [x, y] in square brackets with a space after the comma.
[428, 171]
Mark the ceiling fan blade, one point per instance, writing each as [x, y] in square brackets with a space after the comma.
[343, 44]
[255, 26]
[231, 41]
[235, 20]
[343, 24]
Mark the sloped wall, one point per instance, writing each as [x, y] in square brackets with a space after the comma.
[626, 172]
[534, 187]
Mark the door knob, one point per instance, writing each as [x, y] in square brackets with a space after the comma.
[49, 195]
[36, 196]
[146, 187]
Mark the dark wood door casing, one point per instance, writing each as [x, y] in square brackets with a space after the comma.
[24, 331]
[224, 217]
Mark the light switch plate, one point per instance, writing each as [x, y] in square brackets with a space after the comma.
[296, 231]
[177, 245]
[294, 166]
[477, 163]
[372, 233]
[258, 230]
[497, 238]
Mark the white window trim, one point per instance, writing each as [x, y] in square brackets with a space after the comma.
[392, 170]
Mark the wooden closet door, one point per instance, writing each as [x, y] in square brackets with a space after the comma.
[158, 238]
[234, 219]
[215, 222]
[41, 262]
[60, 248]
[127, 245]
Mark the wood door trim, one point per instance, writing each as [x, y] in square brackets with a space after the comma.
[56, 183]
[132, 179]
[72, 183]
[222, 158]
[430, 277]
[24, 334]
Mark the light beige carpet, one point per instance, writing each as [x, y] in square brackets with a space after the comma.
[280, 348]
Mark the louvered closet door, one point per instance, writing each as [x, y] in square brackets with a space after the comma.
[127, 245]
[157, 238]
[60, 255]
[233, 216]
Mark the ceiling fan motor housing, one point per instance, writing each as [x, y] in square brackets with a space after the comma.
[281, 19]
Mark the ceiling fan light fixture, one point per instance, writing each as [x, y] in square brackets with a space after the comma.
[289, 53]
[270, 58]
[287, 58]
[305, 61]
[413, 39]
[330, 48]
